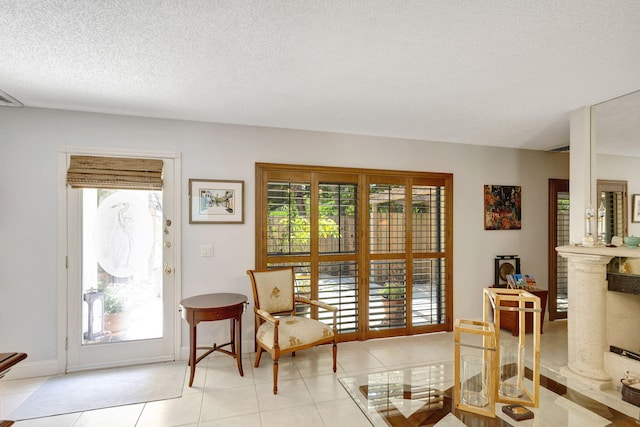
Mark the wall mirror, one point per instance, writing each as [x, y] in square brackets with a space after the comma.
[616, 125]
[615, 134]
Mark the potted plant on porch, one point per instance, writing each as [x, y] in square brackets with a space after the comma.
[393, 295]
[114, 315]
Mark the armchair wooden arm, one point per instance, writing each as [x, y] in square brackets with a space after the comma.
[316, 303]
[266, 316]
[321, 305]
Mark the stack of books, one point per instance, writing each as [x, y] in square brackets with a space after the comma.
[521, 281]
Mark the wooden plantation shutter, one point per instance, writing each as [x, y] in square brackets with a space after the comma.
[115, 173]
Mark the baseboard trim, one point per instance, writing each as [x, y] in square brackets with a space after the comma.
[44, 368]
[27, 369]
[129, 362]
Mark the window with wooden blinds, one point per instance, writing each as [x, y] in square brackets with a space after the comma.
[114, 173]
[376, 244]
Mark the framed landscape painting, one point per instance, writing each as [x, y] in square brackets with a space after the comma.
[214, 201]
[502, 207]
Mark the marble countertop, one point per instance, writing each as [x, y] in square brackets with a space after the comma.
[620, 251]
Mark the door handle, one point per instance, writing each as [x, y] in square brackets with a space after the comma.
[167, 269]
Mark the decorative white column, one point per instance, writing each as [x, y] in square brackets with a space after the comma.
[587, 329]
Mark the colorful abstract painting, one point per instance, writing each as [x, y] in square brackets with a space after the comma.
[502, 207]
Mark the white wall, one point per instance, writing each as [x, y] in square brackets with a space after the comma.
[30, 137]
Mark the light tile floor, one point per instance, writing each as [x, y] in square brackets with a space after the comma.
[308, 391]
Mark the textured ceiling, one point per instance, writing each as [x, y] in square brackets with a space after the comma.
[502, 73]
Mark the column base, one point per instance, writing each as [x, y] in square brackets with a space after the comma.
[597, 384]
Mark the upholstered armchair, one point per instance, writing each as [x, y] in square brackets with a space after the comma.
[278, 329]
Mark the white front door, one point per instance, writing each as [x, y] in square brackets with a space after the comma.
[121, 296]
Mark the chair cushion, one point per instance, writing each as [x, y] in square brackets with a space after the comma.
[275, 290]
[294, 331]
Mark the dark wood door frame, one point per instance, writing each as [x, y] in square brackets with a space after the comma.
[555, 186]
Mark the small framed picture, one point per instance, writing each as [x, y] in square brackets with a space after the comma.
[635, 208]
[213, 201]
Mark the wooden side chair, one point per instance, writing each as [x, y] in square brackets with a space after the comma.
[278, 329]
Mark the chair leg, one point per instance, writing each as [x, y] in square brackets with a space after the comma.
[275, 376]
[258, 354]
[335, 353]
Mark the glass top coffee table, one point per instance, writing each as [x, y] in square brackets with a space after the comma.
[415, 396]
[423, 396]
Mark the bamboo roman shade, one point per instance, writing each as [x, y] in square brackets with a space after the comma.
[115, 173]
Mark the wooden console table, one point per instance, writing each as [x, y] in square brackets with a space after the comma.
[509, 319]
[211, 307]
[7, 360]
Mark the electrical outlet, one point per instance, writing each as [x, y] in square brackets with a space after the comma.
[206, 250]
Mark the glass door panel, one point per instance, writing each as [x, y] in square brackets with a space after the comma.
[428, 296]
[312, 226]
[289, 218]
[387, 294]
[337, 218]
[387, 225]
[388, 299]
[428, 219]
[121, 265]
[338, 286]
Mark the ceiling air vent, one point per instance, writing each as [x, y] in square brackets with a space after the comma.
[9, 101]
[563, 149]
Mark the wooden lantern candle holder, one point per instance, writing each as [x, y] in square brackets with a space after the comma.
[475, 392]
[512, 388]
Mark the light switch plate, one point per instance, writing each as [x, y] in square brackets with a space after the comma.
[206, 250]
